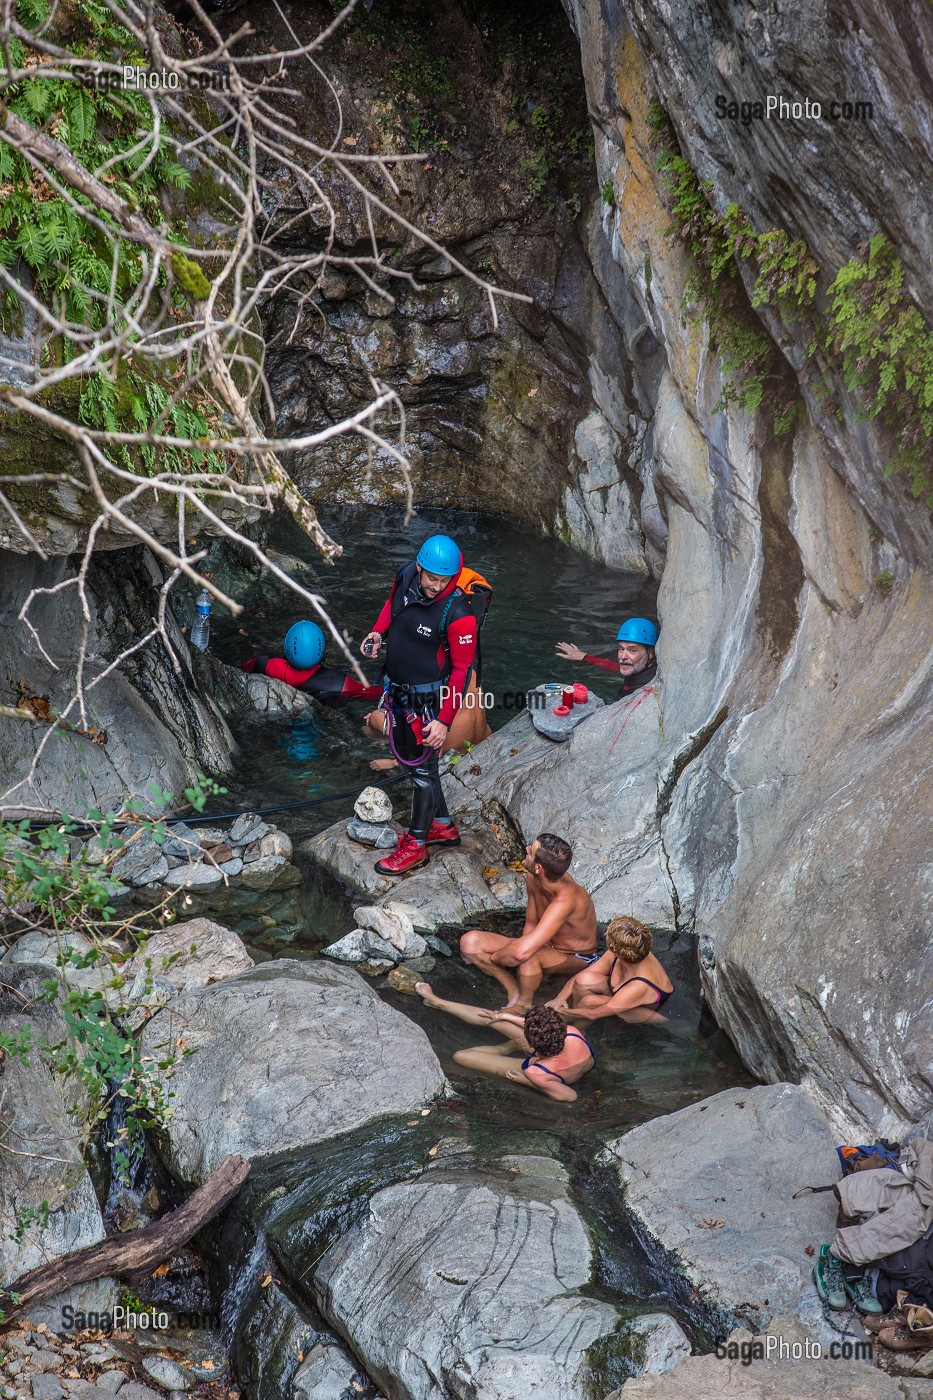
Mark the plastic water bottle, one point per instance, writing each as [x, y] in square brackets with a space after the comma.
[201, 628]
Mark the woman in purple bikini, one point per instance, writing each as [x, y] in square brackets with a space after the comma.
[626, 981]
[557, 1055]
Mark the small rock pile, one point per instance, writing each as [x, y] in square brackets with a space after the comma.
[370, 823]
[385, 939]
[37, 1362]
[252, 855]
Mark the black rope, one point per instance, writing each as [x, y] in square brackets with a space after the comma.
[202, 817]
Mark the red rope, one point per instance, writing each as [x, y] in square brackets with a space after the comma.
[646, 691]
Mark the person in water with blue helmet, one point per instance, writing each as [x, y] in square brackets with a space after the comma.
[635, 658]
[431, 635]
[301, 667]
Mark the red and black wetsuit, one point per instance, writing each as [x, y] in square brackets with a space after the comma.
[629, 683]
[323, 682]
[430, 644]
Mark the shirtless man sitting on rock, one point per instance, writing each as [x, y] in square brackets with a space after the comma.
[559, 936]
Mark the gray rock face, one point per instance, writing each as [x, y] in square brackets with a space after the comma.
[287, 1055]
[327, 1373]
[713, 1184]
[393, 924]
[36, 1118]
[460, 1285]
[162, 729]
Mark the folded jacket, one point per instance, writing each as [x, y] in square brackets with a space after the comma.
[896, 1207]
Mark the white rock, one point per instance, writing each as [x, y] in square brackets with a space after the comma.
[395, 927]
[373, 805]
[276, 843]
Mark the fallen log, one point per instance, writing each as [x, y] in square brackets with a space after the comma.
[136, 1251]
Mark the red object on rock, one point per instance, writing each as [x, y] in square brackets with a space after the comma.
[566, 697]
[562, 710]
[408, 855]
[580, 694]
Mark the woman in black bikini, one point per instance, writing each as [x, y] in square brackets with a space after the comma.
[626, 981]
[558, 1055]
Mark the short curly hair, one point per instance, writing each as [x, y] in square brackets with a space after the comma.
[545, 1030]
[629, 939]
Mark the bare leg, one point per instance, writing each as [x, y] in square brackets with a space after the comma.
[476, 947]
[530, 974]
[492, 1061]
[504, 1066]
[475, 1016]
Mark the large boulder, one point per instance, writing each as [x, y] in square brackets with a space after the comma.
[464, 1284]
[47, 1201]
[714, 1185]
[284, 1056]
[195, 952]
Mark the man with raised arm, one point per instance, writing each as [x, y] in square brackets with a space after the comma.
[559, 936]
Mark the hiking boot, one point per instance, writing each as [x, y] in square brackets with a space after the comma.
[440, 835]
[829, 1277]
[408, 855]
[903, 1337]
[859, 1290]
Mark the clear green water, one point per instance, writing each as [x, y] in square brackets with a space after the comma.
[543, 593]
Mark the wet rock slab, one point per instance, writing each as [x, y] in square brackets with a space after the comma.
[451, 890]
[287, 1055]
[465, 1284]
[713, 1184]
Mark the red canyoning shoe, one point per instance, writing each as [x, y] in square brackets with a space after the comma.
[440, 835]
[408, 855]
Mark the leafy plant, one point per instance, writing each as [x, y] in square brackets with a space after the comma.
[608, 193]
[886, 352]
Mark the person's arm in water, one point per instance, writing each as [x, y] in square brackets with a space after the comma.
[625, 999]
[519, 950]
[574, 653]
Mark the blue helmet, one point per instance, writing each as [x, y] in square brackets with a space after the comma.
[304, 645]
[440, 555]
[640, 630]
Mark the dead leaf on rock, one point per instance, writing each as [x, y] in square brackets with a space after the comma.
[161, 1271]
[809, 1251]
[266, 1281]
[491, 873]
[708, 1223]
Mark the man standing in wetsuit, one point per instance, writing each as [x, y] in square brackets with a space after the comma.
[301, 667]
[431, 645]
[636, 661]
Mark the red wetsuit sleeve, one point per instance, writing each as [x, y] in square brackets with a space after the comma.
[356, 691]
[461, 639]
[249, 665]
[382, 622]
[603, 662]
[278, 668]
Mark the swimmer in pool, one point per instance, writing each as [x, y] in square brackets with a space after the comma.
[556, 1055]
[626, 981]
